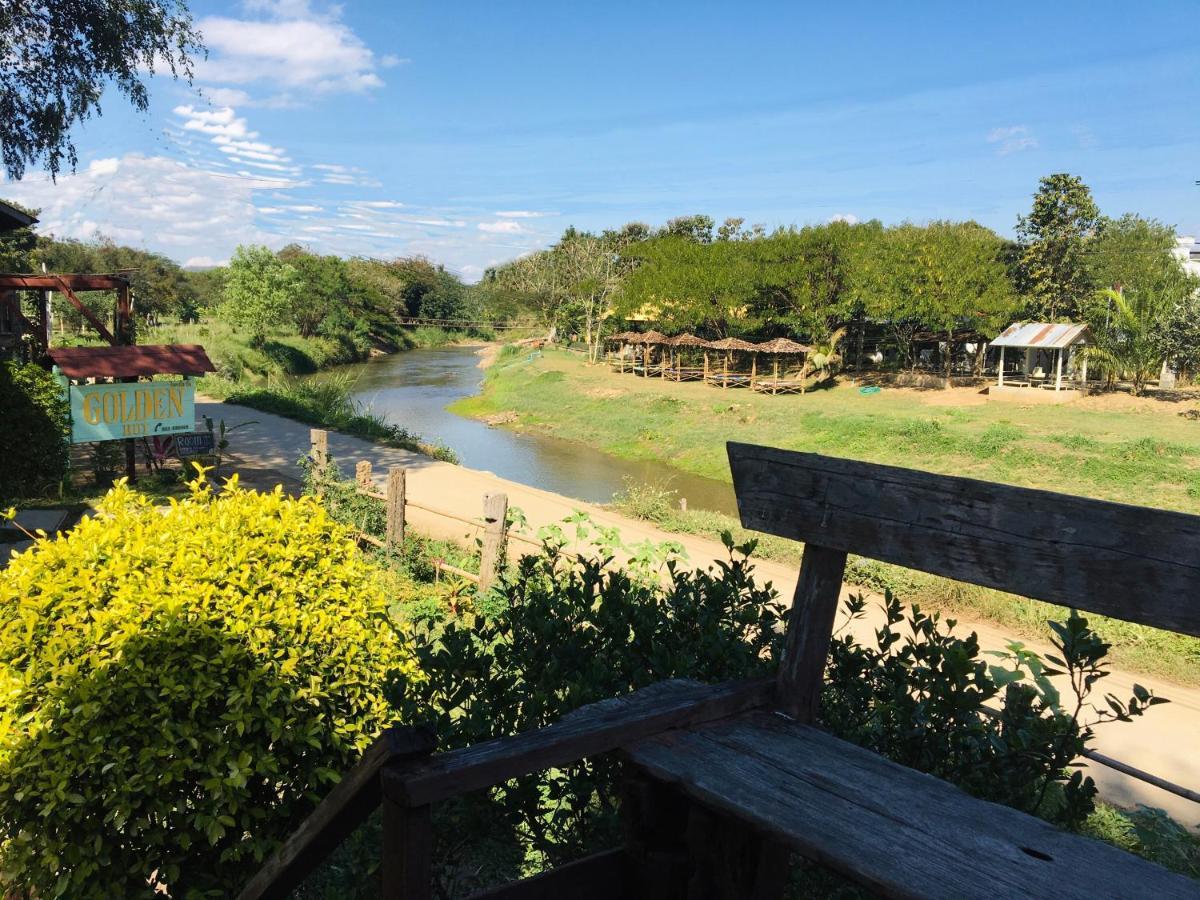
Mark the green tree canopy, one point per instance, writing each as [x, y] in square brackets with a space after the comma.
[1054, 239]
[260, 291]
[56, 58]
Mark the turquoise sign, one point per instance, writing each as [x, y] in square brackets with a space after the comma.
[110, 412]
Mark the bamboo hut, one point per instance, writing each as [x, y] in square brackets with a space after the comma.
[783, 347]
[725, 378]
[623, 339]
[677, 371]
[649, 340]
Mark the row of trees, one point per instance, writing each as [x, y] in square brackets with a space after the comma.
[357, 300]
[947, 281]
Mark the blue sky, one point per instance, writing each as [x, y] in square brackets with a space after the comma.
[475, 132]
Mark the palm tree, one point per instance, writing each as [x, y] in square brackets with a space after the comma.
[826, 356]
[1127, 347]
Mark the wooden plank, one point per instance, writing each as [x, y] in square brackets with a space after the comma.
[600, 876]
[407, 853]
[895, 830]
[345, 807]
[597, 728]
[802, 669]
[362, 475]
[76, 282]
[1130, 562]
[394, 534]
[318, 451]
[491, 554]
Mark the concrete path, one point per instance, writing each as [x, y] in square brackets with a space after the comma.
[267, 453]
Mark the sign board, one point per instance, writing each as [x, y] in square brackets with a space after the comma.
[199, 443]
[110, 412]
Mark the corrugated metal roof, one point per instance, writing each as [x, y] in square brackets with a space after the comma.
[126, 362]
[1042, 335]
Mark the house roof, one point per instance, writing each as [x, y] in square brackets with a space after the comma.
[783, 345]
[11, 217]
[1042, 335]
[126, 362]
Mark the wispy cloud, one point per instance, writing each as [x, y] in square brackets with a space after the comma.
[523, 214]
[1012, 139]
[508, 227]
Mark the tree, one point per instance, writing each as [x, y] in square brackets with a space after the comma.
[1178, 336]
[56, 58]
[17, 244]
[1130, 347]
[260, 291]
[1054, 239]
[698, 228]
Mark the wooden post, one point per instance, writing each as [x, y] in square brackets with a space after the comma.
[705, 366]
[1058, 372]
[753, 369]
[394, 533]
[811, 626]
[362, 475]
[407, 851]
[495, 529]
[1000, 383]
[318, 449]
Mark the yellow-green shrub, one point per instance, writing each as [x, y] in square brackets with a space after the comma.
[178, 687]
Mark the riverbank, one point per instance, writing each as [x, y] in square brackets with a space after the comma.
[1139, 451]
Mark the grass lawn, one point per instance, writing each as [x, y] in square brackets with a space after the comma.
[1111, 447]
[1114, 448]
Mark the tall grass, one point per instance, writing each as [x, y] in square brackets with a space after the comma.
[329, 402]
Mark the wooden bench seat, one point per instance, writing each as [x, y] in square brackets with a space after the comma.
[888, 827]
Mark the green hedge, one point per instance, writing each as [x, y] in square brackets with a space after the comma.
[35, 437]
[178, 688]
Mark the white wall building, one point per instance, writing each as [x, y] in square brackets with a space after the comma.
[1187, 251]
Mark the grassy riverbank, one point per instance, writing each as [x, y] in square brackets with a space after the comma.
[1112, 448]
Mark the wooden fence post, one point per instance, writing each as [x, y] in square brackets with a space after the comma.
[362, 475]
[495, 530]
[394, 533]
[407, 861]
[318, 440]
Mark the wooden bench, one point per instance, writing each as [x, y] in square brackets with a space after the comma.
[726, 781]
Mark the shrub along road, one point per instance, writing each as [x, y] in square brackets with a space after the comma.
[268, 452]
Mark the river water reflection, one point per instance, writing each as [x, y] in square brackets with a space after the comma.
[414, 388]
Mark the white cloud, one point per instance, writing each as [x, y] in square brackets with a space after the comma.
[294, 48]
[187, 212]
[848, 218]
[1012, 139]
[500, 227]
[523, 214]
[202, 262]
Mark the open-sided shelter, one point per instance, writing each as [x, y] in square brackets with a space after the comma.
[1045, 351]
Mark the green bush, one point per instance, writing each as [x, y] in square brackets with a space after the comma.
[179, 687]
[559, 632]
[35, 439]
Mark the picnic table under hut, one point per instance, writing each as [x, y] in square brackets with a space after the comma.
[790, 382]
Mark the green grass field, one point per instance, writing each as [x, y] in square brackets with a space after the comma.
[1139, 452]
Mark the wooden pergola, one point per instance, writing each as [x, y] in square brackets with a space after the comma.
[68, 285]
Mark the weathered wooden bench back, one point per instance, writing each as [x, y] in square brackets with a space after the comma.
[1129, 562]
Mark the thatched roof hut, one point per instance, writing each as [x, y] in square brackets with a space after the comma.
[686, 340]
[783, 345]
[731, 344]
[655, 337]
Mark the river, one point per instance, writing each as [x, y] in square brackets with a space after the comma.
[414, 388]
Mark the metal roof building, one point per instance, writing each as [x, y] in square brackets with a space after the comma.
[1043, 335]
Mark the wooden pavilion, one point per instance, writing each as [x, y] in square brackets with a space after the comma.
[783, 347]
[1044, 344]
[679, 372]
[725, 378]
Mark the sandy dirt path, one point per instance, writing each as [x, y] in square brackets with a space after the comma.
[267, 453]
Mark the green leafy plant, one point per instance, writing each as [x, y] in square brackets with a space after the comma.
[562, 630]
[35, 439]
[929, 700]
[178, 688]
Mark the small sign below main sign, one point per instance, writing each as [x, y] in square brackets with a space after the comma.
[110, 412]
